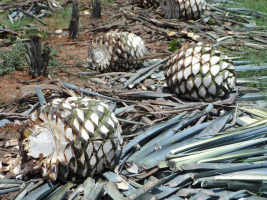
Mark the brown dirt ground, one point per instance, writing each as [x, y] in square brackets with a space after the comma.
[70, 49]
[71, 53]
[10, 84]
[12, 130]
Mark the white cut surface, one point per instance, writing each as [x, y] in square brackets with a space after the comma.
[194, 95]
[66, 106]
[122, 185]
[89, 126]
[84, 134]
[94, 117]
[107, 147]
[104, 130]
[207, 81]
[202, 92]
[187, 72]
[179, 76]
[188, 61]
[100, 165]
[69, 134]
[80, 114]
[89, 150]
[110, 155]
[205, 68]
[215, 69]
[190, 84]
[224, 65]
[69, 153]
[93, 161]
[97, 145]
[196, 68]
[111, 123]
[219, 79]
[195, 59]
[41, 143]
[212, 89]
[214, 60]
[198, 81]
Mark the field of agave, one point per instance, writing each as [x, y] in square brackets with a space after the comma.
[164, 114]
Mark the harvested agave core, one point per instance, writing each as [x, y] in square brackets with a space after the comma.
[201, 73]
[72, 138]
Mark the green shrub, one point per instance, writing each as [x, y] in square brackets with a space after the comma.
[12, 59]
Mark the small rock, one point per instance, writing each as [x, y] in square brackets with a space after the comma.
[123, 80]
[58, 31]
[149, 82]
[152, 87]
[143, 87]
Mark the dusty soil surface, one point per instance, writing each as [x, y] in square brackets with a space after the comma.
[12, 130]
[10, 84]
[73, 53]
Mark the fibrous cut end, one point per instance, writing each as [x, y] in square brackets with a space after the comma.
[113, 51]
[71, 138]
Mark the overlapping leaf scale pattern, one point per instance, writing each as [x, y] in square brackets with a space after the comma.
[200, 72]
[146, 3]
[74, 137]
[185, 9]
[105, 51]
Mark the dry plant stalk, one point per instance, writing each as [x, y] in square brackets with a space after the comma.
[74, 21]
[38, 59]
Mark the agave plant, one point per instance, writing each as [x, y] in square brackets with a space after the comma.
[200, 72]
[69, 138]
[146, 3]
[185, 9]
[114, 46]
[37, 57]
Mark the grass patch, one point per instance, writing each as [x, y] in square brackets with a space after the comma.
[54, 62]
[257, 57]
[24, 21]
[260, 6]
[34, 31]
[60, 18]
[248, 54]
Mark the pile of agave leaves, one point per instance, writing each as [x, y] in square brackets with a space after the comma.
[173, 149]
